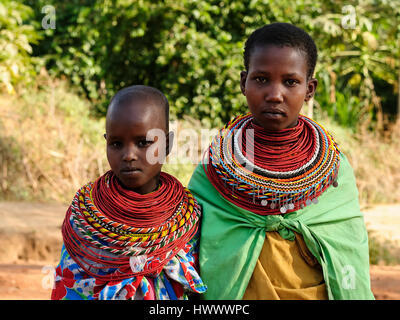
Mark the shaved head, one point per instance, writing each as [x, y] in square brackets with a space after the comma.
[146, 94]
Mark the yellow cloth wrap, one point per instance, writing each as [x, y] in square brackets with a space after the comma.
[286, 270]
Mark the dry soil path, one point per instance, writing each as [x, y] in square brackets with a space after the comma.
[30, 245]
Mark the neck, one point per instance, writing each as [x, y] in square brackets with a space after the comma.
[258, 128]
[146, 188]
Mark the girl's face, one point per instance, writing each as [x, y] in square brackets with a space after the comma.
[133, 151]
[276, 86]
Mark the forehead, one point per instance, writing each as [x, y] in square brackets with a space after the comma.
[272, 58]
[137, 115]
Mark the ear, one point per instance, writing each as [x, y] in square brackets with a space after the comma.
[243, 78]
[311, 87]
[169, 142]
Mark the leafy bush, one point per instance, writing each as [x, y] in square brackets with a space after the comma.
[192, 51]
[16, 37]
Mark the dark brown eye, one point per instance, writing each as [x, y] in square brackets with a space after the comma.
[291, 82]
[115, 144]
[261, 79]
[144, 143]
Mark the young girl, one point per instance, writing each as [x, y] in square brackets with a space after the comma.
[281, 217]
[132, 233]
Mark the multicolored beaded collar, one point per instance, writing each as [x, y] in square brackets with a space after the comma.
[108, 226]
[272, 172]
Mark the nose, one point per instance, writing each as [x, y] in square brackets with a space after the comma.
[130, 153]
[274, 93]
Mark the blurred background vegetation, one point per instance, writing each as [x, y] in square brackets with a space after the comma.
[192, 50]
[56, 80]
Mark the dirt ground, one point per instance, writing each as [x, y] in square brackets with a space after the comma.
[30, 243]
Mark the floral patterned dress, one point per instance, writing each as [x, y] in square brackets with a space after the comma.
[177, 280]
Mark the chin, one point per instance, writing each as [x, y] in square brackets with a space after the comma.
[129, 186]
[277, 124]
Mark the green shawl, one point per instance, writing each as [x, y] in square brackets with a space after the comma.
[333, 230]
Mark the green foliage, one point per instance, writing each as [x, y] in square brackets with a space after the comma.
[344, 108]
[353, 60]
[192, 51]
[16, 37]
[180, 47]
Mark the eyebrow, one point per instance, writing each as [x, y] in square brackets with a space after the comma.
[285, 75]
[293, 74]
[138, 137]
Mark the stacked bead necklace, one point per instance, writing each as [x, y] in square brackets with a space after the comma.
[108, 226]
[273, 172]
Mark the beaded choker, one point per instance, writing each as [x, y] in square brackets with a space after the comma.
[108, 226]
[272, 172]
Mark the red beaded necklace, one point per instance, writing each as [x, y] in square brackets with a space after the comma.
[282, 150]
[128, 207]
[272, 172]
[114, 233]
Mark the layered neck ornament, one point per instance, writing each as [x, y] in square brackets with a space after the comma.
[272, 172]
[114, 233]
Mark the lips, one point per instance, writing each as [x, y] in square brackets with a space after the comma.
[130, 171]
[273, 113]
